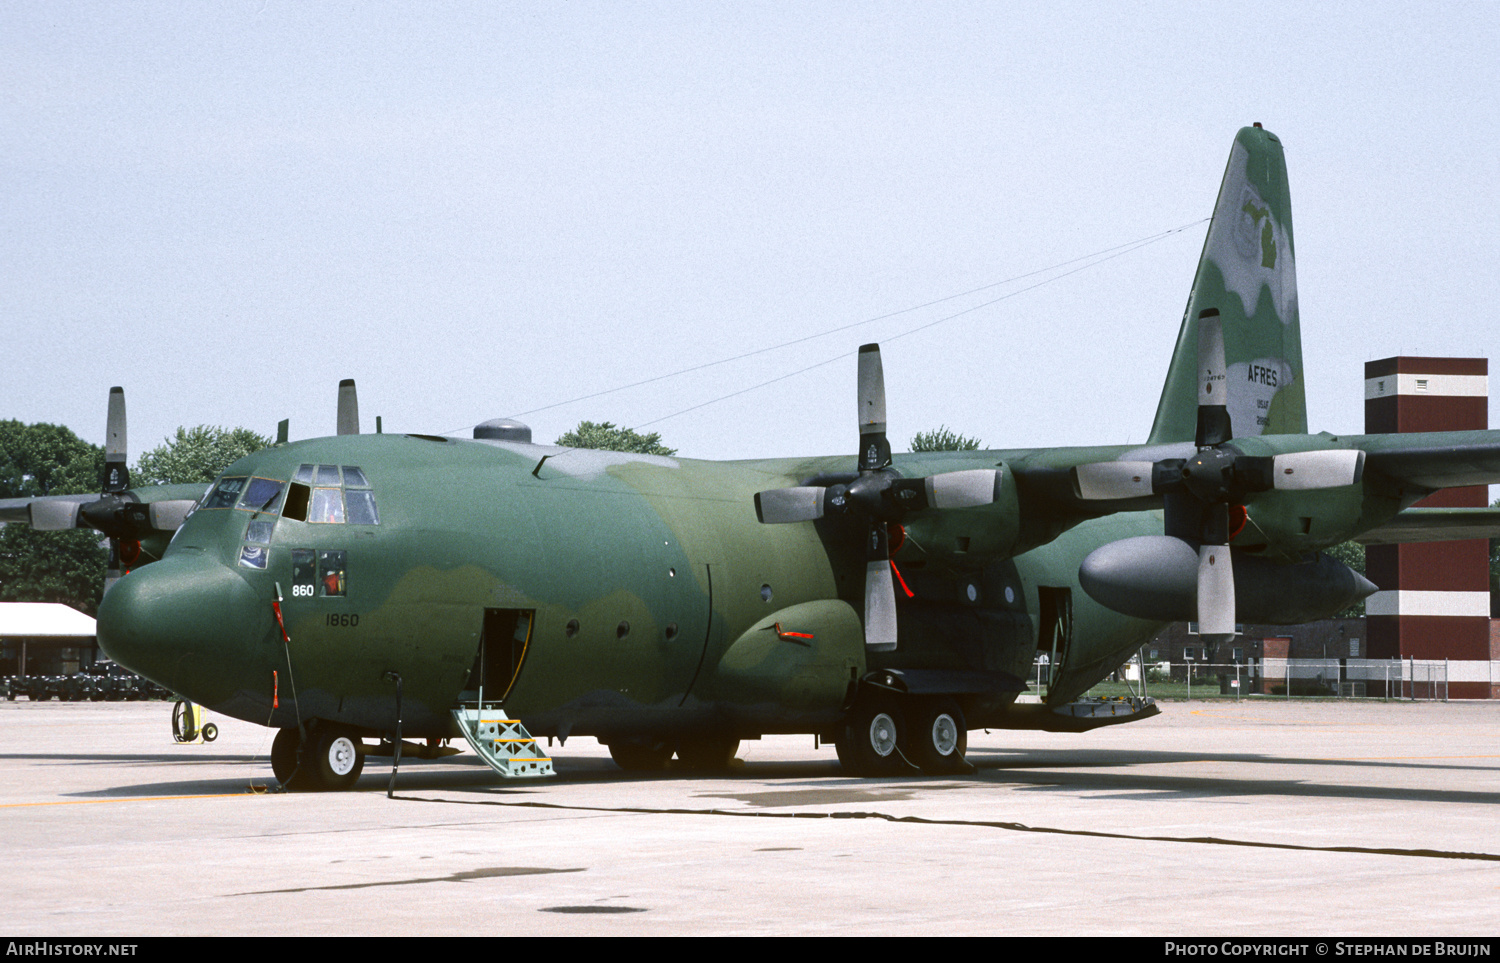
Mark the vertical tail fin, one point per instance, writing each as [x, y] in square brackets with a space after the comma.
[1247, 274]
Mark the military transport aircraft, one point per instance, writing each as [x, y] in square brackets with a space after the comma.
[351, 589]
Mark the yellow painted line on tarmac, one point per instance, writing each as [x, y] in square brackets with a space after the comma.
[253, 791]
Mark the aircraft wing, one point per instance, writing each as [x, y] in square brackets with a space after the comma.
[1434, 459]
[1435, 525]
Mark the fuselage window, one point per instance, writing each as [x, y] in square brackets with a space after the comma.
[262, 495]
[225, 493]
[304, 576]
[327, 505]
[361, 506]
[331, 573]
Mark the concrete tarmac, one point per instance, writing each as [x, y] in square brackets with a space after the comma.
[1216, 818]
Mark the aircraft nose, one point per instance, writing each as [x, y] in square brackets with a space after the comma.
[188, 622]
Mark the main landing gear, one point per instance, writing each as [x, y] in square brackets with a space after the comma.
[329, 757]
[888, 734]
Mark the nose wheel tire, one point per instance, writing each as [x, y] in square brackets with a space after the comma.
[869, 744]
[939, 737]
[331, 758]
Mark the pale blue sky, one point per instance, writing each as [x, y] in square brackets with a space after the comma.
[480, 209]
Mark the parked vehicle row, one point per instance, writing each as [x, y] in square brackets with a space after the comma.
[100, 682]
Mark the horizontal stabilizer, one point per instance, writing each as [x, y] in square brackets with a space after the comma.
[1435, 525]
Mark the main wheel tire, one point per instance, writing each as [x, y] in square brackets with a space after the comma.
[641, 755]
[707, 753]
[939, 736]
[335, 756]
[869, 743]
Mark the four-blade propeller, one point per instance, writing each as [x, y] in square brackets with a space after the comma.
[1205, 494]
[879, 495]
[114, 512]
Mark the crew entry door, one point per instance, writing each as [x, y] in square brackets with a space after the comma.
[502, 650]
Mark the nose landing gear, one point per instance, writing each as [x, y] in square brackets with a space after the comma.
[330, 757]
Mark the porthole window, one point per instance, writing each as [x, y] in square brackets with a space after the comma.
[622, 630]
[671, 631]
[572, 628]
[765, 593]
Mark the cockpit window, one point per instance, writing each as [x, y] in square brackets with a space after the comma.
[327, 505]
[362, 509]
[262, 495]
[323, 501]
[225, 493]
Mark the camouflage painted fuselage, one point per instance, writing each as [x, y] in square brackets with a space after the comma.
[651, 591]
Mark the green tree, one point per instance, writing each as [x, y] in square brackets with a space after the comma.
[1351, 554]
[44, 459]
[943, 439]
[1495, 573]
[604, 436]
[66, 567]
[195, 455]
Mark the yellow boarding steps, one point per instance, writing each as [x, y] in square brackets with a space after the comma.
[503, 743]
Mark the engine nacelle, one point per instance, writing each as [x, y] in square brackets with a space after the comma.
[1156, 577]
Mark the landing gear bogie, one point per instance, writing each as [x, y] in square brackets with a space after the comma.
[893, 734]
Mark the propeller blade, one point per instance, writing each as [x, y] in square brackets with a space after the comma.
[112, 572]
[874, 448]
[1215, 593]
[880, 607]
[777, 506]
[963, 489]
[1213, 381]
[54, 515]
[168, 516]
[1104, 480]
[1304, 470]
[880, 592]
[116, 474]
[348, 422]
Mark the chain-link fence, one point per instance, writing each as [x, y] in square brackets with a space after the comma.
[1390, 679]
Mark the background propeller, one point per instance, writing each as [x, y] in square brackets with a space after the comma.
[879, 495]
[116, 512]
[1204, 495]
